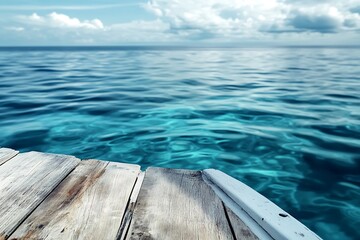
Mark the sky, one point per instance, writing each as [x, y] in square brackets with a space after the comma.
[179, 22]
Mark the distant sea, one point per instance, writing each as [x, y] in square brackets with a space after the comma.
[285, 121]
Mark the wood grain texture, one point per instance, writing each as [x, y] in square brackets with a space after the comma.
[240, 229]
[178, 204]
[88, 204]
[6, 154]
[123, 231]
[25, 181]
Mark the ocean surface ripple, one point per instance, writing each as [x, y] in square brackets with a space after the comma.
[285, 121]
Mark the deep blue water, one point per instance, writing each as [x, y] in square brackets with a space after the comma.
[285, 121]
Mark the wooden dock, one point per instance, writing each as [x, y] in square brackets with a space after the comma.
[50, 196]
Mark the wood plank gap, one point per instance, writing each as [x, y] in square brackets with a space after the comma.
[7, 154]
[240, 214]
[241, 230]
[228, 219]
[126, 221]
[264, 212]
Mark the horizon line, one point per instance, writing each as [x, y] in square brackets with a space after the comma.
[167, 46]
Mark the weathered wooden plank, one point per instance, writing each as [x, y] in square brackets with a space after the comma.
[6, 154]
[240, 229]
[88, 204]
[178, 204]
[25, 181]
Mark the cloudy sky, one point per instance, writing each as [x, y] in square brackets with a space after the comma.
[226, 22]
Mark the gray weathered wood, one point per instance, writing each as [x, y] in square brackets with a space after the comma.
[130, 209]
[178, 204]
[240, 229]
[25, 181]
[6, 154]
[88, 204]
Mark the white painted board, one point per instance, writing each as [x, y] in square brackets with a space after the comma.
[267, 214]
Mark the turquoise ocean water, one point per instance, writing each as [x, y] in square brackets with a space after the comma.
[286, 121]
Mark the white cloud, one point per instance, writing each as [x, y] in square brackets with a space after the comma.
[324, 18]
[227, 18]
[58, 20]
[35, 17]
[236, 19]
[57, 28]
[15, 29]
[62, 20]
